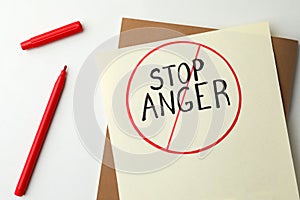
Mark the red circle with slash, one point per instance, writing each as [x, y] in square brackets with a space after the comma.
[224, 135]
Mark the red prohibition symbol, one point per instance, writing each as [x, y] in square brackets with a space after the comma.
[167, 149]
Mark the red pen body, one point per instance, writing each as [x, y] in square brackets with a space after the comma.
[52, 36]
[41, 134]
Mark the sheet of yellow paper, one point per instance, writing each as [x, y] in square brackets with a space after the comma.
[198, 117]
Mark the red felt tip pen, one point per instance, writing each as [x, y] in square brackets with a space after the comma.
[41, 134]
[52, 36]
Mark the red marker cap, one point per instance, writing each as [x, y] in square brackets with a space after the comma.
[52, 36]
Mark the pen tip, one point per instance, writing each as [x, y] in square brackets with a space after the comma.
[65, 67]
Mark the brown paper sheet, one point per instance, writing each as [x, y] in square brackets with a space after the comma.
[285, 51]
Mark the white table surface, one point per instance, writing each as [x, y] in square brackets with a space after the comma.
[65, 170]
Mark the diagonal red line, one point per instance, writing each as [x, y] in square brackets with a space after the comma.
[179, 111]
